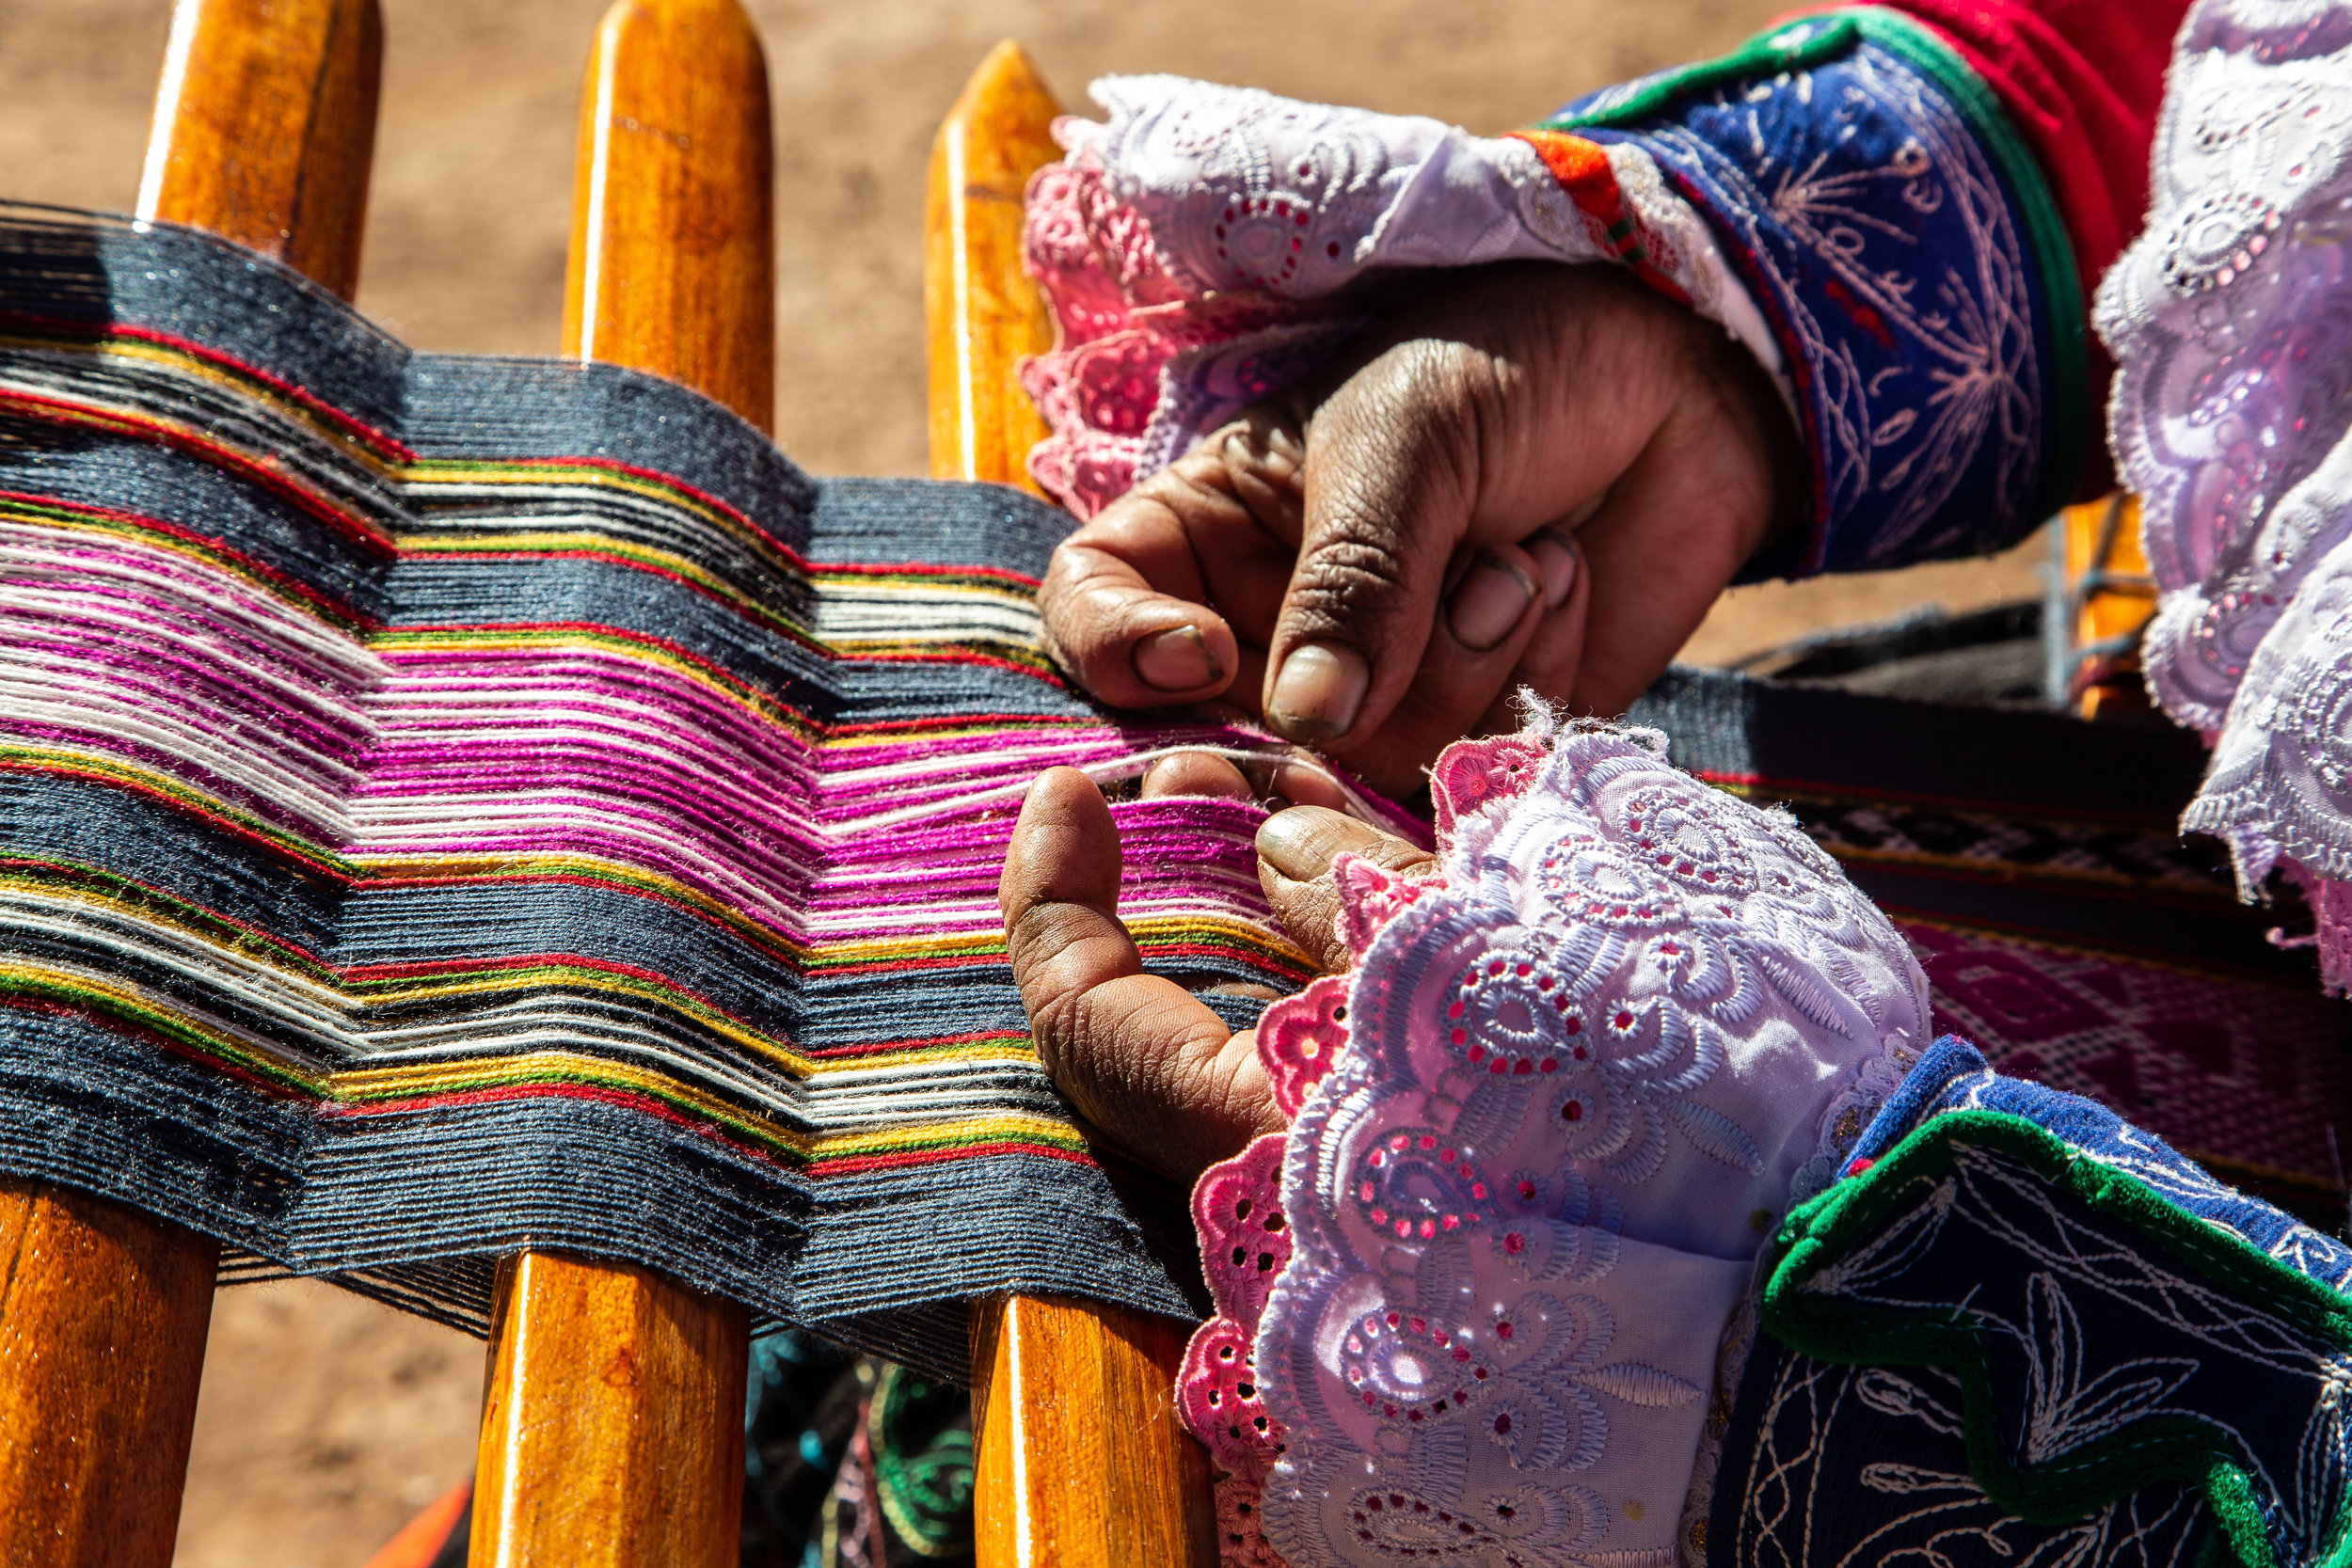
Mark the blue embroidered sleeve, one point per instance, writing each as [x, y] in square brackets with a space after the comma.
[1905, 251]
[1953, 1076]
[2021, 1330]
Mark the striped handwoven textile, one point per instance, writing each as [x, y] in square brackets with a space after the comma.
[450, 803]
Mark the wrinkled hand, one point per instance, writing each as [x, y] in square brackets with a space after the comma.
[1143, 1059]
[1539, 475]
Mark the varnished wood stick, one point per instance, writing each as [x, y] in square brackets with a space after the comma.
[265, 128]
[103, 1313]
[264, 121]
[612, 1421]
[1081, 1458]
[982, 312]
[612, 1417]
[674, 250]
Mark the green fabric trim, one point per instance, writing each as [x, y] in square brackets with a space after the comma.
[1822, 1233]
[1792, 46]
[1815, 40]
[922, 1475]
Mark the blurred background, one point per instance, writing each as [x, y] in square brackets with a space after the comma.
[326, 1421]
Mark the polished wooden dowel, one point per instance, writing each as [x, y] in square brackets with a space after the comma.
[1081, 1458]
[672, 262]
[265, 128]
[264, 124]
[613, 1416]
[103, 1313]
[981, 310]
[612, 1421]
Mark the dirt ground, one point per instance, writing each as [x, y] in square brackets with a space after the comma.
[326, 1420]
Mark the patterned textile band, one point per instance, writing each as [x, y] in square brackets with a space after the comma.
[2066, 929]
[450, 804]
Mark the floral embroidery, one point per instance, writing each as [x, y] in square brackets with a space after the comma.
[1906, 256]
[2111, 1342]
[1209, 246]
[1520, 1192]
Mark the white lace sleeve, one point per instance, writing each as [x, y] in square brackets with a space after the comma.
[2231, 322]
[1197, 246]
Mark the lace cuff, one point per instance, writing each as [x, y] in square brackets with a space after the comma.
[1842, 195]
[1468, 1306]
[2231, 321]
[1209, 246]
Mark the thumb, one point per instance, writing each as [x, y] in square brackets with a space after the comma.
[1390, 476]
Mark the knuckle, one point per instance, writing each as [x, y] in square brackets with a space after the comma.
[1356, 565]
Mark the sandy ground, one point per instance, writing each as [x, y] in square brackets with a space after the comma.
[326, 1420]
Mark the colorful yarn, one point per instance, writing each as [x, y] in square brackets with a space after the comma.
[453, 804]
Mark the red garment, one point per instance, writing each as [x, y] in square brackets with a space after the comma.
[2081, 79]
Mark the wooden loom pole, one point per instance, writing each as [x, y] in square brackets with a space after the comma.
[265, 128]
[1081, 1458]
[264, 124]
[981, 310]
[613, 1416]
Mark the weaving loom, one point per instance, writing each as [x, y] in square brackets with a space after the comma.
[499, 800]
[460, 807]
[612, 1417]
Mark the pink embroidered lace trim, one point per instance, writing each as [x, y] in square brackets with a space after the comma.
[1201, 250]
[1470, 1303]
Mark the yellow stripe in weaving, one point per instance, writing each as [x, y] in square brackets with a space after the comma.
[93, 765]
[247, 389]
[105, 996]
[121, 526]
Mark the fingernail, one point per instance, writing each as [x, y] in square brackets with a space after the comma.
[1290, 842]
[1489, 603]
[1303, 786]
[1272, 449]
[1319, 690]
[1176, 660]
[1554, 555]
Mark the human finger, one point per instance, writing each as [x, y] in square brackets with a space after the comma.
[1390, 481]
[1549, 663]
[1295, 851]
[1704, 495]
[1195, 773]
[1496, 605]
[1127, 598]
[1141, 1058]
[1511, 401]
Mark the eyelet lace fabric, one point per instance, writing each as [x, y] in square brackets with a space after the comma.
[1206, 246]
[1470, 1305]
[2230, 319]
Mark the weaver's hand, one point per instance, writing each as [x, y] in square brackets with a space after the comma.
[1540, 476]
[1141, 1057]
